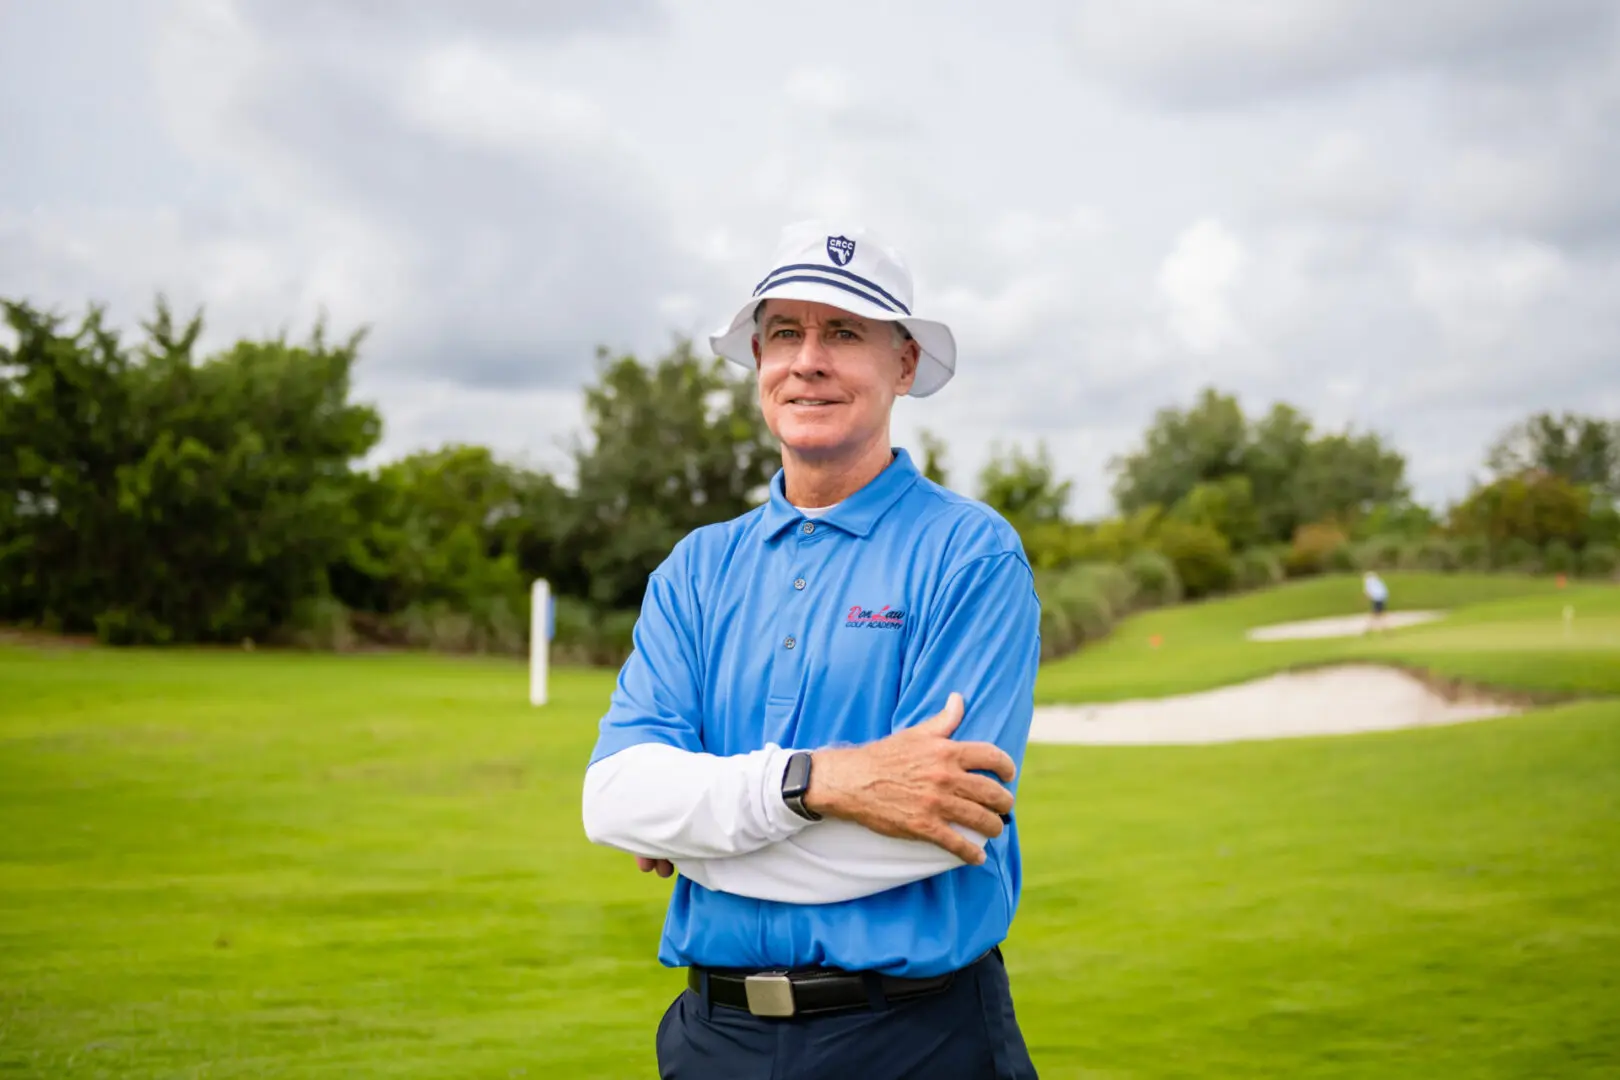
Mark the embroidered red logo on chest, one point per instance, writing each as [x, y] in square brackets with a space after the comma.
[884, 618]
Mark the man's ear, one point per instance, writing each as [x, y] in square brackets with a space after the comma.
[910, 357]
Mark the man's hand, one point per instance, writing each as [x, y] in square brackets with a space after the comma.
[915, 783]
[663, 866]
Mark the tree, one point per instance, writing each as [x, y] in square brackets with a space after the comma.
[1023, 488]
[674, 445]
[159, 497]
[1225, 505]
[67, 425]
[1180, 450]
[933, 463]
[431, 529]
[1534, 508]
[540, 535]
[1293, 476]
[1584, 450]
[1344, 476]
[1278, 447]
[1398, 517]
[1202, 557]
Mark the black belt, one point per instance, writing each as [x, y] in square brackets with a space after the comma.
[800, 993]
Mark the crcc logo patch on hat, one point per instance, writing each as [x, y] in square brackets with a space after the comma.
[850, 269]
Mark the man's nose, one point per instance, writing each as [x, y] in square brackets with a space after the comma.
[811, 357]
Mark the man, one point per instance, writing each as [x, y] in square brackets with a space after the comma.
[1377, 597]
[822, 722]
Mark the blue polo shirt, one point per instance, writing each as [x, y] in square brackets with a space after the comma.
[777, 628]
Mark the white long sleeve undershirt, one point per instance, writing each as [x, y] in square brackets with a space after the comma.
[722, 822]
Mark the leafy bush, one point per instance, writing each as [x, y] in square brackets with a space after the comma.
[1380, 553]
[435, 626]
[1599, 561]
[573, 622]
[1058, 637]
[1113, 582]
[121, 626]
[1317, 548]
[1603, 526]
[1473, 553]
[1075, 607]
[1049, 545]
[586, 634]
[485, 625]
[1558, 558]
[1257, 568]
[319, 623]
[616, 636]
[1225, 505]
[1157, 582]
[1399, 518]
[1436, 553]
[1517, 555]
[1202, 557]
[502, 625]
[1087, 608]
[1535, 507]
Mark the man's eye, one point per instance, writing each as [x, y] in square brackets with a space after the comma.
[782, 332]
[847, 335]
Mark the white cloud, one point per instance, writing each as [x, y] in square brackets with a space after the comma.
[1400, 220]
[1198, 54]
[526, 425]
[468, 92]
[1197, 279]
[1349, 177]
[826, 90]
[1482, 294]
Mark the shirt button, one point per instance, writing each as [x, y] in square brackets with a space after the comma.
[799, 584]
[809, 527]
[789, 643]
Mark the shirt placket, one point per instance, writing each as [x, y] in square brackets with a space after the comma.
[793, 620]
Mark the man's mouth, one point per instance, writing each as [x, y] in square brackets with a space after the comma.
[810, 401]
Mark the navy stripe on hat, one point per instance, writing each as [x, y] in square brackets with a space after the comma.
[892, 305]
[835, 283]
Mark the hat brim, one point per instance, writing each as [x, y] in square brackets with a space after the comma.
[935, 366]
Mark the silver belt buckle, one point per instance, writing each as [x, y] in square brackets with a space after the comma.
[769, 995]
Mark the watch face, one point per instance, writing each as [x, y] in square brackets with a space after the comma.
[795, 780]
[796, 783]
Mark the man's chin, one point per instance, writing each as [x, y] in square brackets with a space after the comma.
[815, 445]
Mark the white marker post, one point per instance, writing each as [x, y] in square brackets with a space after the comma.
[540, 629]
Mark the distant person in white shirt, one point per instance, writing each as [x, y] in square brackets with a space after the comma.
[1377, 596]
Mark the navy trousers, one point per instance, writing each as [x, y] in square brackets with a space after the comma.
[965, 1032]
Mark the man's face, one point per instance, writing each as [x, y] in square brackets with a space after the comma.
[828, 378]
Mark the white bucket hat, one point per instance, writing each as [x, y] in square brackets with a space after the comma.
[848, 268]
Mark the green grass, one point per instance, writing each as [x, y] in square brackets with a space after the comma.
[219, 864]
[1505, 631]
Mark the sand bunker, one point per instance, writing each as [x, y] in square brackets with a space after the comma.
[1328, 701]
[1343, 626]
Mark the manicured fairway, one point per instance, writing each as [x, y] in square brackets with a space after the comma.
[217, 864]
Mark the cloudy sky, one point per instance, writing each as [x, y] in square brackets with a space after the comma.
[1398, 216]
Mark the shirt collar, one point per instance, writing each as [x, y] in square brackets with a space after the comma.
[859, 512]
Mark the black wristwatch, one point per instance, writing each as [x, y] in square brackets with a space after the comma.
[796, 783]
